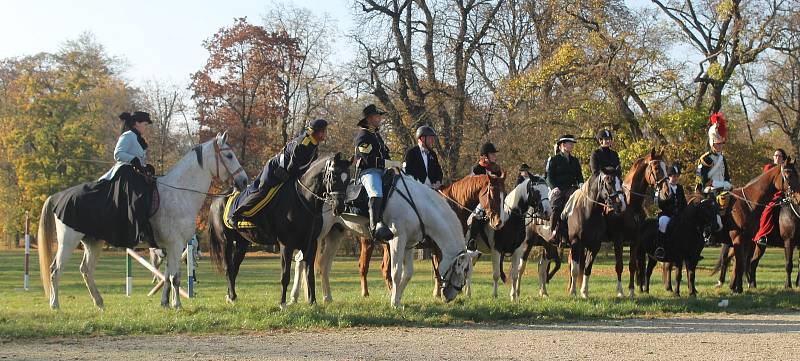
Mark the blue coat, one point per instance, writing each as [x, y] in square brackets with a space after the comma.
[127, 148]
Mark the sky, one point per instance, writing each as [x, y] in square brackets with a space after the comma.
[158, 39]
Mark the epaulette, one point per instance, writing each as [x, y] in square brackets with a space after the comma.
[705, 159]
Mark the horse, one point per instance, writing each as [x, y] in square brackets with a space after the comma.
[182, 192]
[414, 212]
[522, 206]
[647, 172]
[687, 233]
[596, 199]
[789, 230]
[462, 196]
[157, 257]
[745, 210]
[294, 216]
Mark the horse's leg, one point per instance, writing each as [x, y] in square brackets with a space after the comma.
[758, 252]
[574, 267]
[311, 283]
[544, 270]
[723, 263]
[408, 271]
[619, 264]
[678, 276]
[386, 267]
[436, 258]
[397, 259]
[651, 264]
[788, 255]
[91, 252]
[155, 260]
[172, 278]
[300, 270]
[68, 240]
[328, 250]
[591, 255]
[666, 275]
[234, 256]
[495, 272]
[797, 280]
[516, 259]
[740, 257]
[367, 245]
[691, 266]
[286, 265]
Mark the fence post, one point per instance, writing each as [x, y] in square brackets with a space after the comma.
[128, 275]
[26, 278]
[190, 264]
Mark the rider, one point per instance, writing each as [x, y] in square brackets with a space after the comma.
[767, 222]
[671, 201]
[421, 162]
[487, 164]
[291, 162]
[563, 177]
[604, 158]
[524, 173]
[712, 169]
[371, 155]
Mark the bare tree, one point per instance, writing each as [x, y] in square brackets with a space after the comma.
[165, 102]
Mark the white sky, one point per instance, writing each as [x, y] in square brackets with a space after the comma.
[159, 39]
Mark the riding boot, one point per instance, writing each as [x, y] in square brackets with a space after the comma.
[762, 241]
[554, 226]
[475, 230]
[380, 232]
[660, 254]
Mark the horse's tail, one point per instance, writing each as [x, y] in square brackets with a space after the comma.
[502, 274]
[216, 234]
[46, 237]
[722, 260]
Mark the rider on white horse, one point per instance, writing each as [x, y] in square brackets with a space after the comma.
[371, 155]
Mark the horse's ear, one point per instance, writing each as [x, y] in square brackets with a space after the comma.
[652, 152]
[789, 160]
[223, 138]
[338, 156]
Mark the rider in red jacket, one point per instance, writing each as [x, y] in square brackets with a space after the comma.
[767, 223]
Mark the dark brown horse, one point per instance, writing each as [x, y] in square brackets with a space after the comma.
[646, 173]
[789, 231]
[745, 211]
[463, 196]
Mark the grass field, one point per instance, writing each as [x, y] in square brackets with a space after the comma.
[26, 314]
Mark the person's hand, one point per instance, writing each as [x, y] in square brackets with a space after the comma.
[556, 191]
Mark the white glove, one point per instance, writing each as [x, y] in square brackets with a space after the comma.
[722, 184]
[393, 164]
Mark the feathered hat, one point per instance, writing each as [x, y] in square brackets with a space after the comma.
[717, 130]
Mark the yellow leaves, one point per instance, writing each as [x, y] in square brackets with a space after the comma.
[526, 85]
[725, 9]
[716, 72]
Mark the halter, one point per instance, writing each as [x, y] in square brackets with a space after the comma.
[444, 278]
[329, 196]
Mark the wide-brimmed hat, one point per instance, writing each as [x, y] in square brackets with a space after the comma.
[371, 109]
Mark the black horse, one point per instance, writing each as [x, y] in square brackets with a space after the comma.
[294, 216]
[686, 237]
[593, 202]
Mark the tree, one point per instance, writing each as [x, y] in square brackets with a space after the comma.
[165, 103]
[238, 89]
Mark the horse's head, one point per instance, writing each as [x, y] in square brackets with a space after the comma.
[610, 193]
[455, 278]
[328, 179]
[788, 181]
[534, 199]
[708, 217]
[225, 164]
[656, 169]
[491, 199]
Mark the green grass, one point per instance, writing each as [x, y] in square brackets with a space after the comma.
[26, 314]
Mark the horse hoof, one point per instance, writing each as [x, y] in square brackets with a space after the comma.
[621, 295]
[229, 300]
[327, 299]
[584, 295]
[283, 307]
[543, 295]
[719, 284]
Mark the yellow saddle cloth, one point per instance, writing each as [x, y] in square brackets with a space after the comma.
[246, 224]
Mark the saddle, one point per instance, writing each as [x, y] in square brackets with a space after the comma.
[226, 216]
[356, 199]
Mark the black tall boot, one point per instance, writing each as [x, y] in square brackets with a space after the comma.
[380, 232]
[475, 230]
[660, 254]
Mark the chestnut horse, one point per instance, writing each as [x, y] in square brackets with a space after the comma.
[745, 211]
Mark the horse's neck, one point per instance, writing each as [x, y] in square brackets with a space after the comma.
[512, 202]
[188, 175]
[441, 225]
[469, 198]
[637, 183]
[761, 190]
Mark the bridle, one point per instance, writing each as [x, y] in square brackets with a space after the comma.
[444, 279]
[329, 196]
[218, 160]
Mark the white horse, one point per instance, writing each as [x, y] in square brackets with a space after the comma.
[182, 192]
[440, 224]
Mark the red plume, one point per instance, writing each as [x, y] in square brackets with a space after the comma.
[719, 120]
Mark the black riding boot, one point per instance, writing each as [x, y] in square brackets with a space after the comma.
[475, 230]
[380, 232]
[660, 254]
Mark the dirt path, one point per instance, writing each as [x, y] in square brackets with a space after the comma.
[729, 337]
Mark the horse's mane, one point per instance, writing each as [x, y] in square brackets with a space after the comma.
[515, 196]
[758, 177]
[462, 189]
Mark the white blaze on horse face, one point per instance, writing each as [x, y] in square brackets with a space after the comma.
[719, 223]
[343, 176]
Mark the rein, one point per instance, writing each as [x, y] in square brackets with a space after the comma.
[218, 158]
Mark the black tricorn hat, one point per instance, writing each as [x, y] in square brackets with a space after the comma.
[369, 110]
[136, 117]
[487, 148]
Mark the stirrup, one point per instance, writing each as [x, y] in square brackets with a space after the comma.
[659, 254]
[382, 233]
[762, 241]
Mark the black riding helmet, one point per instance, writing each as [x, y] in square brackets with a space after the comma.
[604, 134]
[674, 169]
[424, 131]
[487, 148]
[318, 124]
[524, 167]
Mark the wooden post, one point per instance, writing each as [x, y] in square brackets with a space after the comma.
[153, 269]
[26, 277]
[128, 275]
[190, 266]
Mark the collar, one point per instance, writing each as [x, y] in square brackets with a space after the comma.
[369, 129]
[313, 140]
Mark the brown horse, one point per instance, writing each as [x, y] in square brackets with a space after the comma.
[646, 173]
[745, 210]
[463, 196]
[789, 231]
